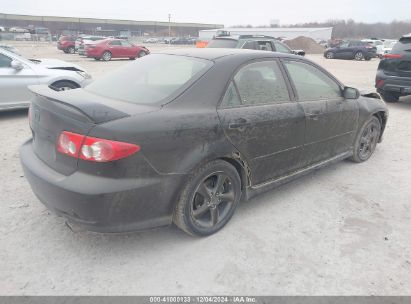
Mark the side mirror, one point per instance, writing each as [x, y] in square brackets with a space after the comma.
[17, 65]
[351, 93]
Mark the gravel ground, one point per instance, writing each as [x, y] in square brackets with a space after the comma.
[343, 230]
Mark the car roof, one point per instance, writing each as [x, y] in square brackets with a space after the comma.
[245, 37]
[216, 53]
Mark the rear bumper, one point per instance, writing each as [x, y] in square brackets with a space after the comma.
[99, 203]
[400, 85]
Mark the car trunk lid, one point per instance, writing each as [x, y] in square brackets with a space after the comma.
[77, 111]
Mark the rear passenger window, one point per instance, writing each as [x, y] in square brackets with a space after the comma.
[250, 45]
[126, 43]
[5, 62]
[231, 98]
[311, 83]
[115, 42]
[259, 83]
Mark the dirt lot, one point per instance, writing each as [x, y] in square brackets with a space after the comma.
[343, 230]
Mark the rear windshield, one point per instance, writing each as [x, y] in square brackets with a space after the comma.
[403, 45]
[222, 43]
[150, 79]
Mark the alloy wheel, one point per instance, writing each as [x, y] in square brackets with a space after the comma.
[368, 141]
[212, 201]
[359, 56]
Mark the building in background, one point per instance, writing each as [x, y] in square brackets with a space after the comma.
[317, 34]
[60, 25]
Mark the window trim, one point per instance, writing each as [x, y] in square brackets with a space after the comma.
[231, 79]
[332, 77]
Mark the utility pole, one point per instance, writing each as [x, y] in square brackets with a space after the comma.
[169, 29]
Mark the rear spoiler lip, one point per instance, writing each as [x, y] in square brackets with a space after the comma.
[95, 112]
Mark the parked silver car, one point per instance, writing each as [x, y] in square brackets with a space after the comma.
[17, 72]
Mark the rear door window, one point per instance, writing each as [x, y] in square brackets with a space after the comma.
[257, 83]
[126, 43]
[265, 46]
[250, 45]
[115, 43]
[5, 62]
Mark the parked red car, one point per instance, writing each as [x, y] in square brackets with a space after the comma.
[67, 44]
[115, 48]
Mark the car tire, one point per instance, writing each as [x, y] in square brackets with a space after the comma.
[329, 55]
[65, 51]
[389, 96]
[96, 58]
[71, 50]
[106, 56]
[141, 54]
[208, 199]
[367, 58]
[359, 56]
[367, 140]
[63, 85]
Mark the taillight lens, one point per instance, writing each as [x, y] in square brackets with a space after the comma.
[379, 83]
[393, 56]
[93, 148]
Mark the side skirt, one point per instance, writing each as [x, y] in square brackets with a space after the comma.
[264, 187]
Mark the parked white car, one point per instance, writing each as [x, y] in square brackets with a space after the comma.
[388, 45]
[9, 48]
[17, 72]
[18, 30]
[378, 44]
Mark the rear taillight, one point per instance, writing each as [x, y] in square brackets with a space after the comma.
[379, 83]
[93, 148]
[393, 56]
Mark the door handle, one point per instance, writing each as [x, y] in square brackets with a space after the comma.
[238, 124]
[313, 115]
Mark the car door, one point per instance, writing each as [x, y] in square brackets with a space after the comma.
[331, 120]
[343, 51]
[262, 121]
[14, 82]
[115, 49]
[128, 49]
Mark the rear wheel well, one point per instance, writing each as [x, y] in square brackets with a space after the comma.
[240, 170]
[56, 83]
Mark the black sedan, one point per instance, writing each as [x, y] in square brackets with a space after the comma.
[183, 136]
[354, 49]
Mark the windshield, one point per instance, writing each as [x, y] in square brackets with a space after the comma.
[222, 43]
[150, 79]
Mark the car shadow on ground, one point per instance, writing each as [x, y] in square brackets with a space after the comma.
[403, 103]
[14, 114]
[164, 237]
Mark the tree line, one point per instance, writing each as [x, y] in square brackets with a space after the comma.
[343, 29]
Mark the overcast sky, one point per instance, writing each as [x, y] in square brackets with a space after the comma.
[227, 12]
